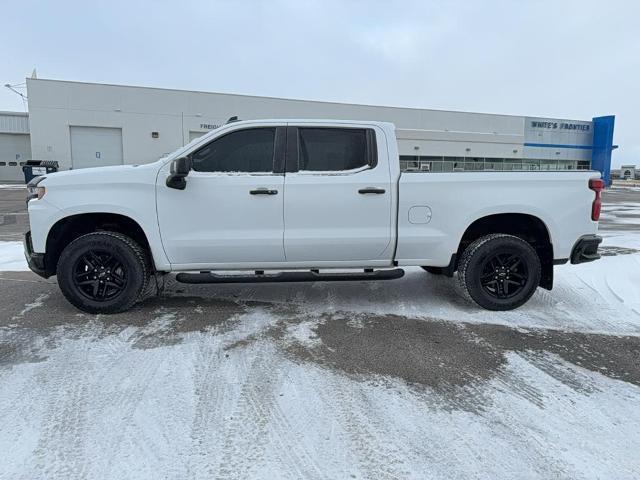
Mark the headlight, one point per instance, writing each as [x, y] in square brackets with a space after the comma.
[34, 191]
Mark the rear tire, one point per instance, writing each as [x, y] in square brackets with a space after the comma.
[103, 272]
[499, 272]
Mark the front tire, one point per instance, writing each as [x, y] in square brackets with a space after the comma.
[499, 272]
[103, 272]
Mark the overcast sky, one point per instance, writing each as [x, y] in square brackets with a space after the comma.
[570, 59]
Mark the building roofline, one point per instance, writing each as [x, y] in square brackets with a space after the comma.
[15, 114]
[416, 109]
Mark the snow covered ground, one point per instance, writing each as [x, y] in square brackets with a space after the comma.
[120, 404]
[12, 257]
[397, 379]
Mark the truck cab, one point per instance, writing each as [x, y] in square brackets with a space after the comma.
[265, 194]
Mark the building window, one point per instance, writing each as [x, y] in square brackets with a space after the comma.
[414, 163]
[584, 165]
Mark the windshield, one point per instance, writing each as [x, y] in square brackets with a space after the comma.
[182, 150]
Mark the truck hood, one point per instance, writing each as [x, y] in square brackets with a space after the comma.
[101, 175]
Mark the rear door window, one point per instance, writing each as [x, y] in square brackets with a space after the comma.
[332, 149]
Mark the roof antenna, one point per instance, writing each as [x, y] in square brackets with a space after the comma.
[233, 119]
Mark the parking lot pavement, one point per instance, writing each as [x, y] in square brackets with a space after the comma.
[398, 379]
[14, 220]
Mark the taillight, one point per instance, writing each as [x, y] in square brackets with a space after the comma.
[597, 185]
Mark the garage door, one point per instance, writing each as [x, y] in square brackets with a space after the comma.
[15, 149]
[95, 146]
[193, 135]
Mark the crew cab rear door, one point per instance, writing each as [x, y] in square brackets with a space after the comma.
[337, 196]
[230, 213]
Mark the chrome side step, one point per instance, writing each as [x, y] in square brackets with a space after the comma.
[310, 276]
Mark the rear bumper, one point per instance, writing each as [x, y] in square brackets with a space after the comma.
[586, 249]
[34, 260]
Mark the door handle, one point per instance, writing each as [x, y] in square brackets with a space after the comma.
[371, 190]
[263, 191]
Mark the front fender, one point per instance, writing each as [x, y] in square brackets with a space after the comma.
[42, 227]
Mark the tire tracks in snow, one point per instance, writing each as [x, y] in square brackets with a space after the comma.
[211, 389]
[376, 453]
[127, 397]
[239, 426]
[60, 448]
[259, 427]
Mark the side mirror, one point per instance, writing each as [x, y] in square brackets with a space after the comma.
[180, 168]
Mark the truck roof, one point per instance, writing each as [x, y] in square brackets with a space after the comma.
[313, 120]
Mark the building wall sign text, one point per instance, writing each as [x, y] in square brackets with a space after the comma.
[560, 126]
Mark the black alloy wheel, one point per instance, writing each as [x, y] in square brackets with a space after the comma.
[504, 275]
[100, 275]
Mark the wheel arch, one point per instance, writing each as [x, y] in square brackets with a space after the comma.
[67, 229]
[526, 226]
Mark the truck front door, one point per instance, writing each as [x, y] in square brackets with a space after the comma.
[230, 212]
[337, 197]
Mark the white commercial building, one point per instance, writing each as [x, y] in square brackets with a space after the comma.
[628, 172]
[15, 144]
[82, 125]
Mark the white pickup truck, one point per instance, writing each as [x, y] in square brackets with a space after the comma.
[305, 200]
